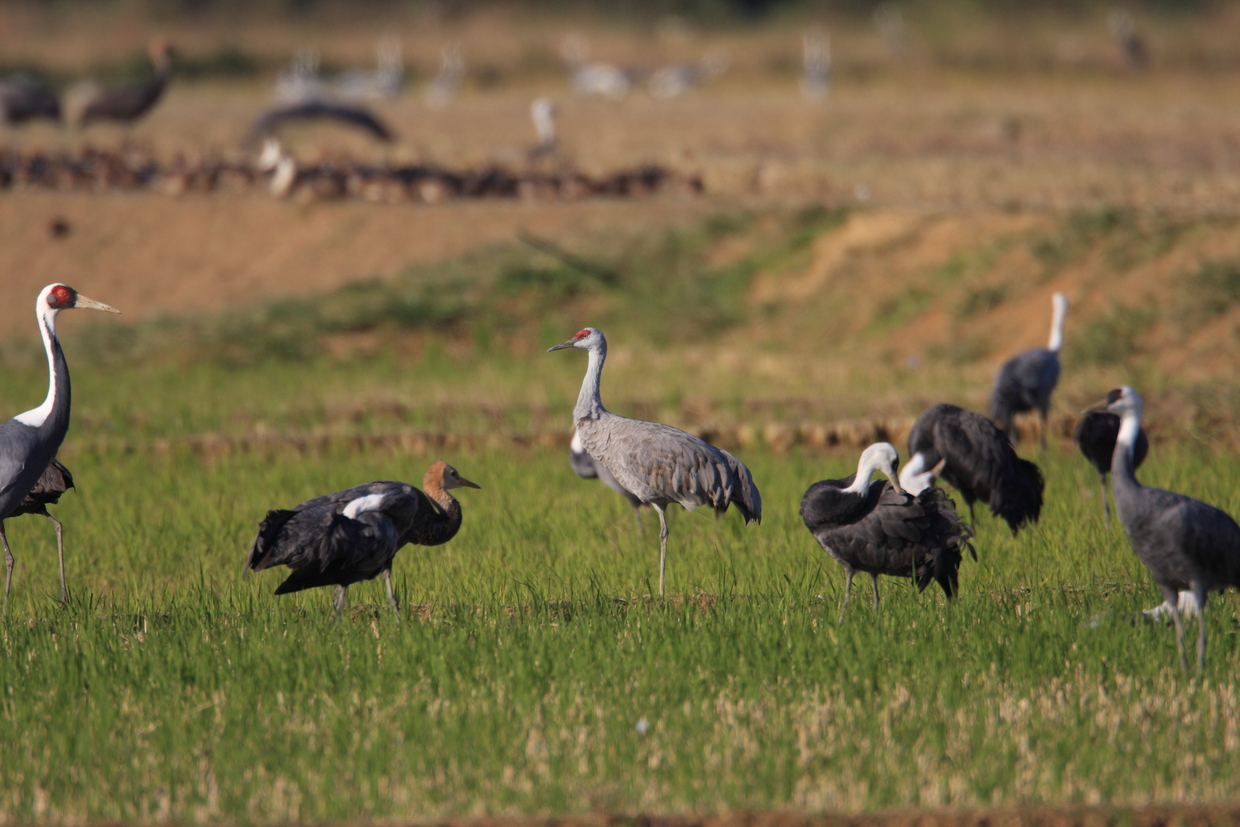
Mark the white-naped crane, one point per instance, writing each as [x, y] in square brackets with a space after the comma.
[1095, 435]
[588, 468]
[883, 529]
[127, 104]
[1027, 380]
[659, 464]
[30, 440]
[353, 535]
[980, 463]
[1185, 543]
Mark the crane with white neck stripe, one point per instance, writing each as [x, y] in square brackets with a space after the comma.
[30, 440]
[1027, 380]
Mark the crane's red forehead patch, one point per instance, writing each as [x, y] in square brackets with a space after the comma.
[581, 334]
[60, 296]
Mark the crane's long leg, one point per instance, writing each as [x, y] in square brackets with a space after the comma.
[1173, 602]
[848, 576]
[8, 569]
[338, 597]
[874, 583]
[662, 543]
[1043, 430]
[1199, 591]
[60, 552]
[387, 576]
[1106, 503]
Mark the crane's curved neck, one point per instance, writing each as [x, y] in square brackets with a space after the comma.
[589, 402]
[441, 524]
[1056, 342]
[1121, 460]
[53, 415]
[861, 484]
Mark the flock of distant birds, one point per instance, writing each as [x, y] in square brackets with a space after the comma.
[905, 527]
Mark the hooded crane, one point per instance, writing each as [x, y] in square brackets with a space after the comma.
[127, 104]
[1095, 436]
[30, 440]
[1027, 380]
[588, 468]
[980, 462]
[659, 464]
[353, 535]
[885, 530]
[1185, 543]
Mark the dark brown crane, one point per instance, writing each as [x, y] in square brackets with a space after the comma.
[127, 104]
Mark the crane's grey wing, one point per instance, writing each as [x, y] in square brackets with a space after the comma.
[20, 444]
[350, 115]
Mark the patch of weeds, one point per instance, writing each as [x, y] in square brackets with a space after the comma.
[896, 310]
[981, 299]
[1081, 230]
[1113, 338]
[960, 351]
[1208, 293]
[811, 222]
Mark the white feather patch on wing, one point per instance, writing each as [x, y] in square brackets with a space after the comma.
[371, 502]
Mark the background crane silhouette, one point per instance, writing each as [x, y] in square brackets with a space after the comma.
[1027, 380]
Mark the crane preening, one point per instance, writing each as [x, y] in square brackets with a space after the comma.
[883, 529]
[353, 535]
[30, 440]
[658, 464]
[1185, 543]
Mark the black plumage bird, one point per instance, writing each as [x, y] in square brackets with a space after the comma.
[353, 535]
[1185, 543]
[980, 463]
[345, 114]
[1095, 436]
[127, 104]
[1027, 380]
[882, 529]
[22, 98]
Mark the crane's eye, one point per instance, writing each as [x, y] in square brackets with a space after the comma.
[1114, 396]
[581, 334]
[60, 296]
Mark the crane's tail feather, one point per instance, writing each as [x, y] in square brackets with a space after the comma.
[1018, 500]
[743, 492]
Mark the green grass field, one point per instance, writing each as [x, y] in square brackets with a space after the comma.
[531, 672]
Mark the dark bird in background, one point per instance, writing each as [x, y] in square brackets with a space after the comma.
[346, 114]
[882, 529]
[30, 440]
[55, 481]
[1027, 380]
[1132, 45]
[1095, 436]
[353, 535]
[1185, 543]
[127, 104]
[588, 468]
[23, 98]
[980, 463]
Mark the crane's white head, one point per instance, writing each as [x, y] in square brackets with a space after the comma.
[443, 475]
[588, 338]
[57, 297]
[919, 473]
[881, 456]
[1123, 400]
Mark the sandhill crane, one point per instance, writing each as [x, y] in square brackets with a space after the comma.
[30, 440]
[884, 529]
[1027, 380]
[980, 462]
[23, 98]
[55, 481]
[1185, 543]
[815, 63]
[443, 86]
[127, 104]
[1095, 435]
[588, 468]
[353, 535]
[345, 114]
[659, 464]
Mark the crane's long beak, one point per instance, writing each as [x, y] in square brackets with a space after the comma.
[894, 479]
[91, 304]
[467, 484]
[562, 345]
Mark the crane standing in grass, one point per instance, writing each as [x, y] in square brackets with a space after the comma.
[353, 535]
[1185, 543]
[127, 104]
[659, 464]
[30, 440]
[1027, 380]
[1095, 435]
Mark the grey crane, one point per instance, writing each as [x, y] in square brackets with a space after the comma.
[882, 529]
[55, 481]
[659, 464]
[22, 98]
[128, 104]
[588, 468]
[1027, 380]
[980, 462]
[30, 440]
[1185, 543]
[1095, 435]
[353, 535]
